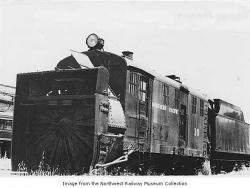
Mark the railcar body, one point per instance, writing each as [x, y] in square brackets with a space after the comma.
[164, 116]
[229, 132]
[111, 109]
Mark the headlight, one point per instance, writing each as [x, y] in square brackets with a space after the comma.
[92, 40]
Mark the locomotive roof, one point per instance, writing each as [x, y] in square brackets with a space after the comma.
[230, 110]
[130, 63]
[142, 68]
[222, 102]
[165, 79]
[52, 71]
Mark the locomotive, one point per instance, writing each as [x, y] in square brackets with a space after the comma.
[98, 109]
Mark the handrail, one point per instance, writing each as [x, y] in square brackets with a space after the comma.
[121, 159]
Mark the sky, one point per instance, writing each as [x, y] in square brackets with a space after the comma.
[206, 43]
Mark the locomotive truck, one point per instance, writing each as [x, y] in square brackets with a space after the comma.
[98, 110]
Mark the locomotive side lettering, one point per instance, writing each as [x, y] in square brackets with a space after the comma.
[159, 106]
[174, 111]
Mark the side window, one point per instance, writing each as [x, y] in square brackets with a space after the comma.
[201, 107]
[177, 98]
[143, 96]
[133, 80]
[194, 104]
[138, 86]
[165, 94]
[1, 124]
[143, 89]
[8, 125]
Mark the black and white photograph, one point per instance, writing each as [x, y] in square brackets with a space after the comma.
[124, 93]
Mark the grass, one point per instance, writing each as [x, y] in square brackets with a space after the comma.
[45, 170]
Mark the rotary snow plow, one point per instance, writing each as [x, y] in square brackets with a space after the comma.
[70, 119]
